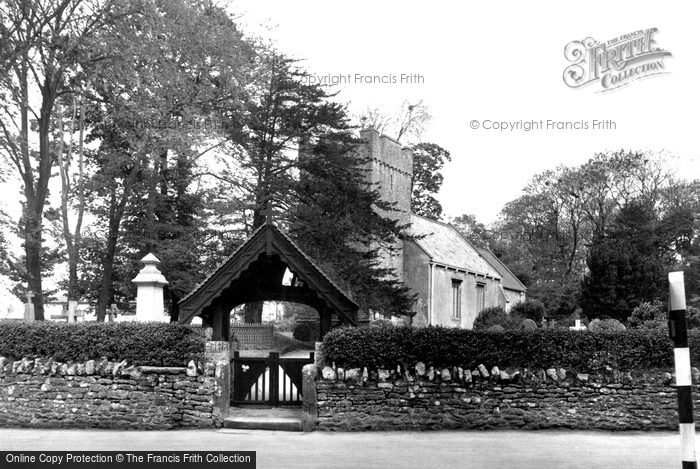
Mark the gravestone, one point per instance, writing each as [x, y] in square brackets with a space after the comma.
[578, 326]
[420, 319]
[112, 313]
[528, 324]
[29, 307]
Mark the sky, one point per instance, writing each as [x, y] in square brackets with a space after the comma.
[485, 62]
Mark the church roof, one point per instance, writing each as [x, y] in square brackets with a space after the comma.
[267, 239]
[446, 246]
[508, 280]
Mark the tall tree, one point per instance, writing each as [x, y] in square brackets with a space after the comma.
[72, 237]
[337, 219]
[280, 114]
[627, 265]
[157, 98]
[42, 44]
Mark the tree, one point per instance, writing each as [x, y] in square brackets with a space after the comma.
[72, 238]
[336, 219]
[281, 113]
[42, 45]
[626, 266]
[408, 120]
[172, 67]
[472, 229]
[428, 161]
[565, 213]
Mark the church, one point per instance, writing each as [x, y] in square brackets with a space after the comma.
[452, 279]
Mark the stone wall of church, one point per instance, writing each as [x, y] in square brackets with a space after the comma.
[101, 394]
[442, 297]
[513, 298]
[455, 398]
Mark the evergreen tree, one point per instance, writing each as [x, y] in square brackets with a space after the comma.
[627, 265]
[336, 219]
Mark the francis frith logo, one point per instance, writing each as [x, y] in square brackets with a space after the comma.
[614, 63]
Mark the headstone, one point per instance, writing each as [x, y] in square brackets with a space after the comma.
[578, 326]
[112, 313]
[29, 307]
[421, 318]
[528, 324]
[149, 297]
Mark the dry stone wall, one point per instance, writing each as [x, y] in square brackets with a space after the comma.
[456, 398]
[102, 394]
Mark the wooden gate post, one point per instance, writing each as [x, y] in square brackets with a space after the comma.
[274, 364]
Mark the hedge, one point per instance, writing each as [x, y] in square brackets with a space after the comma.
[387, 347]
[148, 344]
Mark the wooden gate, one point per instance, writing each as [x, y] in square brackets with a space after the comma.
[270, 381]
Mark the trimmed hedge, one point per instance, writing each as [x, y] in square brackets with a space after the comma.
[387, 347]
[147, 344]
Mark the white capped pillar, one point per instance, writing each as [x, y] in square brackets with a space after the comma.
[149, 297]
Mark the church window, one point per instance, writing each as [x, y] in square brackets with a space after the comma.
[456, 299]
[480, 297]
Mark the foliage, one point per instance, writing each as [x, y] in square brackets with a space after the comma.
[645, 314]
[626, 265]
[426, 180]
[475, 231]
[568, 215]
[152, 344]
[496, 316]
[583, 351]
[44, 49]
[305, 331]
[343, 225]
[530, 309]
[606, 325]
[286, 324]
[693, 317]
[152, 115]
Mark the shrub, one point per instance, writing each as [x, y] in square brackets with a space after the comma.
[644, 314]
[285, 325]
[150, 343]
[530, 309]
[384, 347]
[692, 316]
[606, 325]
[381, 323]
[496, 316]
[306, 331]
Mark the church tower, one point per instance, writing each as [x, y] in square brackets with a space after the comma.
[391, 169]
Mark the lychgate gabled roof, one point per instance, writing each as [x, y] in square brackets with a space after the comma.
[251, 273]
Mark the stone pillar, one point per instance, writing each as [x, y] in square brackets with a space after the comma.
[149, 297]
[218, 353]
[309, 398]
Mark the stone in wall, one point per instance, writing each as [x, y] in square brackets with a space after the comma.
[519, 399]
[103, 394]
